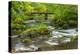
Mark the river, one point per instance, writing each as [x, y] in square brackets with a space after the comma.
[58, 36]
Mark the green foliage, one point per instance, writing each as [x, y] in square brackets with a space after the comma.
[65, 16]
[37, 30]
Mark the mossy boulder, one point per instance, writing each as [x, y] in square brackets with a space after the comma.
[37, 30]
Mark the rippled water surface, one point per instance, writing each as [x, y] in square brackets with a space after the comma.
[57, 37]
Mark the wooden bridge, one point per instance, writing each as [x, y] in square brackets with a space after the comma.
[39, 13]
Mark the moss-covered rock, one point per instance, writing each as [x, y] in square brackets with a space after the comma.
[36, 31]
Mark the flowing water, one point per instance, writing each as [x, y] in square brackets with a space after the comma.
[57, 37]
[58, 34]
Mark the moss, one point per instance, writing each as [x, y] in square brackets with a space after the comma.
[26, 41]
[37, 31]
